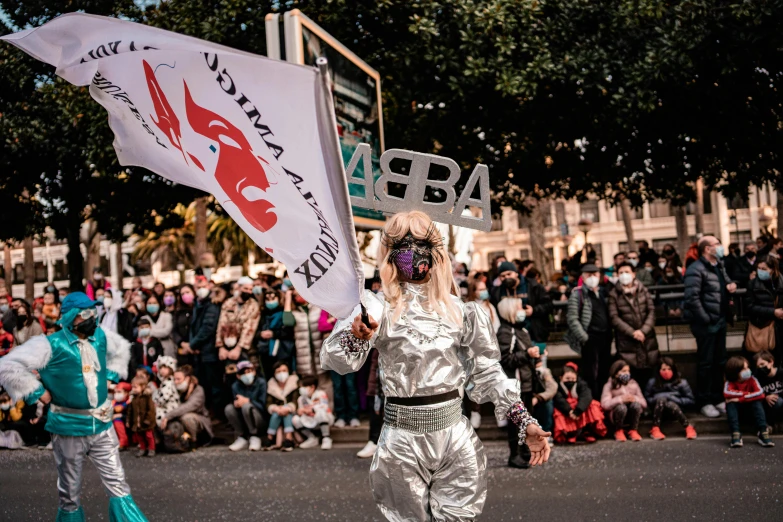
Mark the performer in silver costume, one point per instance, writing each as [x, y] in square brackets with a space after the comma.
[430, 465]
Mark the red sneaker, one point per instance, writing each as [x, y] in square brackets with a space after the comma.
[589, 439]
[656, 433]
[619, 436]
[690, 432]
[635, 435]
[571, 440]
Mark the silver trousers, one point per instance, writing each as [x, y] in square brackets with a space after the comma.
[103, 450]
[436, 476]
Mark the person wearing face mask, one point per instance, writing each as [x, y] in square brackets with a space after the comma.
[535, 299]
[577, 416]
[642, 275]
[117, 318]
[743, 392]
[119, 407]
[74, 366]
[275, 338]
[161, 324]
[188, 424]
[145, 349]
[7, 313]
[744, 266]
[764, 301]
[668, 393]
[707, 306]
[623, 401]
[589, 328]
[282, 394]
[165, 396]
[203, 331]
[97, 281]
[246, 413]
[479, 293]
[308, 339]
[518, 356]
[771, 380]
[181, 316]
[26, 325]
[632, 312]
[313, 412]
[237, 325]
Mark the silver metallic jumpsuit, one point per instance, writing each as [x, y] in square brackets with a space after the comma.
[441, 474]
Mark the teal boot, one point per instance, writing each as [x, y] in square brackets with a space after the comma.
[124, 509]
[70, 516]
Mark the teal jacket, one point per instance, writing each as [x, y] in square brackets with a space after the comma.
[57, 360]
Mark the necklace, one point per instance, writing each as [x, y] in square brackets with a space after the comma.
[420, 337]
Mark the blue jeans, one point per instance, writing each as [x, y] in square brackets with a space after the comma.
[756, 408]
[543, 412]
[346, 405]
[274, 423]
[773, 412]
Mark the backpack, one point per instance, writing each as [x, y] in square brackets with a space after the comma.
[174, 439]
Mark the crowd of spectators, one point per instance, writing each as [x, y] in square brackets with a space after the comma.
[244, 355]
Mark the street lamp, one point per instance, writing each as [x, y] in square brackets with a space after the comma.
[585, 225]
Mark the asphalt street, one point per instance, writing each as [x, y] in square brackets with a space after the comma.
[658, 481]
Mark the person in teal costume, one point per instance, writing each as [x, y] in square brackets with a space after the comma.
[75, 365]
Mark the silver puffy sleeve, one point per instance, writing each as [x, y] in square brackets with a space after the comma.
[486, 382]
[333, 355]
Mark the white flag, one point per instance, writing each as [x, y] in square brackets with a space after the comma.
[258, 134]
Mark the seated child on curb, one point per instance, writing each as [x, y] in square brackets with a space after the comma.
[577, 415]
[313, 412]
[141, 417]
[623, 400]
[743, 393]
[667, 392]
[119, 405]
[246, 412]
[281, 395]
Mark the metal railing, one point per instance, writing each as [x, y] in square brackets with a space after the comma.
[669, 313]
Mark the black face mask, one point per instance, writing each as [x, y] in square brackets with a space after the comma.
[86, 327]
[246, 296]
[750, 255]
[412, 257]
[510, 282]
[766, 370]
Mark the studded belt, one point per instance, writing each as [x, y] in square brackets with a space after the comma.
[423, 419]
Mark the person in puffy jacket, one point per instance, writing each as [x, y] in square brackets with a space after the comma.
[623, 400]
[744, 393]
[765, 300]
[668, 393]
[707, 306]
[275, 340]
[632, 312]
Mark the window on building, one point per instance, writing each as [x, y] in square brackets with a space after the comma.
[735, 202]
[636, 213]
[742, 237]
[691, 208]
[661, 208]
[524, 254]
[559, 213]
[18, 274]
[589, 210]
[658, 244]
[497, 223]
[41, 273]
[60, 270]
[492, 258]
[624, 247]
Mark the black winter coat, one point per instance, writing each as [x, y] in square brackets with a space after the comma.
[703, 292]
[679, 393]
[514, 342]
[584, 398]
[539, 324]
[203, 326]
[761, 299]
[631, 312]
[742, 268]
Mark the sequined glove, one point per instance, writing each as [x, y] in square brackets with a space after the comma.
[352, 344]
[519, 415]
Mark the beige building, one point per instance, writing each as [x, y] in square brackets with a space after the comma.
[732, 221]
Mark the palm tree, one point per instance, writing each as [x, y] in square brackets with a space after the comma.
[173, 245]
[228, 239]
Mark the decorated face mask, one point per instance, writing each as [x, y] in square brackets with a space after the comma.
[412, 257]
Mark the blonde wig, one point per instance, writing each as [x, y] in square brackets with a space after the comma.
[441, 285]
[508, 308]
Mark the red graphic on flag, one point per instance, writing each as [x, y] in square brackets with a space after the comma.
[239, 171]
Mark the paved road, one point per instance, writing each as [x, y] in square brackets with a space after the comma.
[657, 481]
